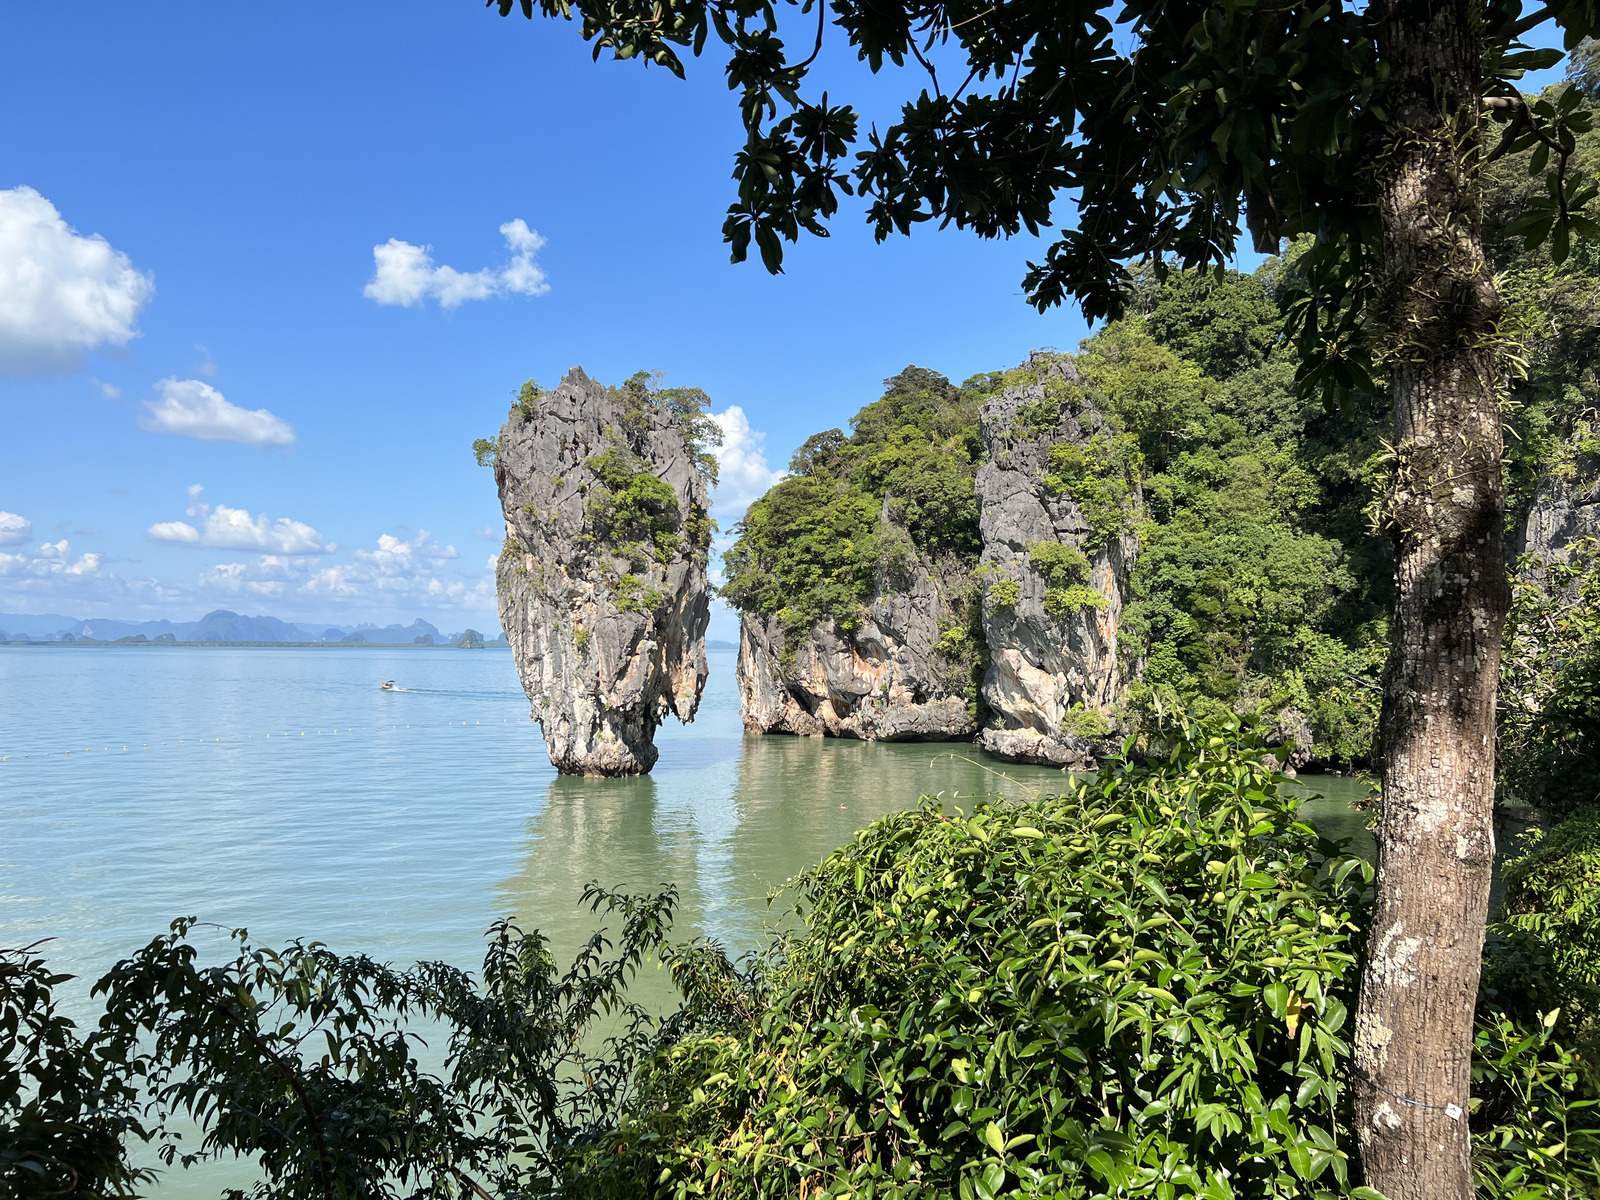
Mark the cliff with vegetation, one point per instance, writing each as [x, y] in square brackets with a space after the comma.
[852, 575]
[602, 578]
[1058, 497]
[1080, 544]
[1165, 525]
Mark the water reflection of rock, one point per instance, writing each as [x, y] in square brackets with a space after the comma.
[728, 824]
[727, 821]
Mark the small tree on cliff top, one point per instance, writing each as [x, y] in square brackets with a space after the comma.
[1170, 126]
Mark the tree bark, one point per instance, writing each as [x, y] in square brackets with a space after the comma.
[1445, 512]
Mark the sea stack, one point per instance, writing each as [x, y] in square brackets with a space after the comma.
[602, 578]
[1058, 497]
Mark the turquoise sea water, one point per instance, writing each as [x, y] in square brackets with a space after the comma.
[281, 790]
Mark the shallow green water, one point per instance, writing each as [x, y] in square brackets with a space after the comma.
[401, 824]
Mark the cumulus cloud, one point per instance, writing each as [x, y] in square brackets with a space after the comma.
[61, 294]
[14, 529]
[108, 391]
[196, 409]
[227, 528]
[405, 275]
[742, 471]
[402, 570]
[51, 561]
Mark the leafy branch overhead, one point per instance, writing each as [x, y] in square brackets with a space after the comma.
[1168, 133]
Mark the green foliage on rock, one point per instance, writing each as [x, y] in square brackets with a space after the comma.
[1259, 586]
[629, 511]
[688, 409]
[1003, 593]
[815, 545]
[527, 402]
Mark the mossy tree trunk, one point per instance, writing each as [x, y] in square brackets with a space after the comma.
[1446, 511]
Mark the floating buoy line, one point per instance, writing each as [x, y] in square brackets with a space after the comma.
[230, 739]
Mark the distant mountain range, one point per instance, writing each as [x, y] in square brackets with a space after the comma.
[218, 626]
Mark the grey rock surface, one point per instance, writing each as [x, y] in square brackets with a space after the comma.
[886, 681]
[607, 640]
[1046, 671]
[1566, 507]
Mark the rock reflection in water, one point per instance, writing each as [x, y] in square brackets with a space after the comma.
[727, 820]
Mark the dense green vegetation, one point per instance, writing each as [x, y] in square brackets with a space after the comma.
[812, 547]
[857, 513]
[1140, 988]
[1261, 586]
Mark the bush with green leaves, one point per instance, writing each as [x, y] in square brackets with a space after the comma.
[69, 1102]
[1137, 988]
[1552, 895]
[1550, 683]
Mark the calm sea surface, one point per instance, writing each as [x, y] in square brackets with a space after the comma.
[281, 790]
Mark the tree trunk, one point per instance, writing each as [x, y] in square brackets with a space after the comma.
[1413, 1044]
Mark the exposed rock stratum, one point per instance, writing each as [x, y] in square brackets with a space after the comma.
[602, 579]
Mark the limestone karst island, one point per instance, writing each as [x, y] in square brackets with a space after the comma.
[710, 600]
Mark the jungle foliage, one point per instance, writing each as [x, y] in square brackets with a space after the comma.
[859, 507]
[1261, 586]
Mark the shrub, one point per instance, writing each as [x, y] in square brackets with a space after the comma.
[1532, 1112]
[1004, 593]
[68, 1101]
[1552, 892]
[1102, 479]
[1061, 564]
[1550, 683]
[527, 405]
[1142, 980]
[1065, 601]
[632, 510]
[1085, 722]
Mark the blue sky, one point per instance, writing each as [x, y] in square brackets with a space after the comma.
[206, 402]
[246, 162]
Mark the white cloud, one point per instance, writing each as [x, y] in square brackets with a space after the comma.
[227, 528]
[14, 530]
[196, 409]
[108, 391]
[208, 366]
[405, 274]
[742, 471]
[173, 531]
[53, 560]
[403, 572]
[61, 294]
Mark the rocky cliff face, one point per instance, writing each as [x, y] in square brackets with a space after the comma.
[602, 579]
[1056, 501]
[1565, 507]
[900, 675]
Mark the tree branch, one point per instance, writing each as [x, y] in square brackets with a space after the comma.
[1515, 29]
